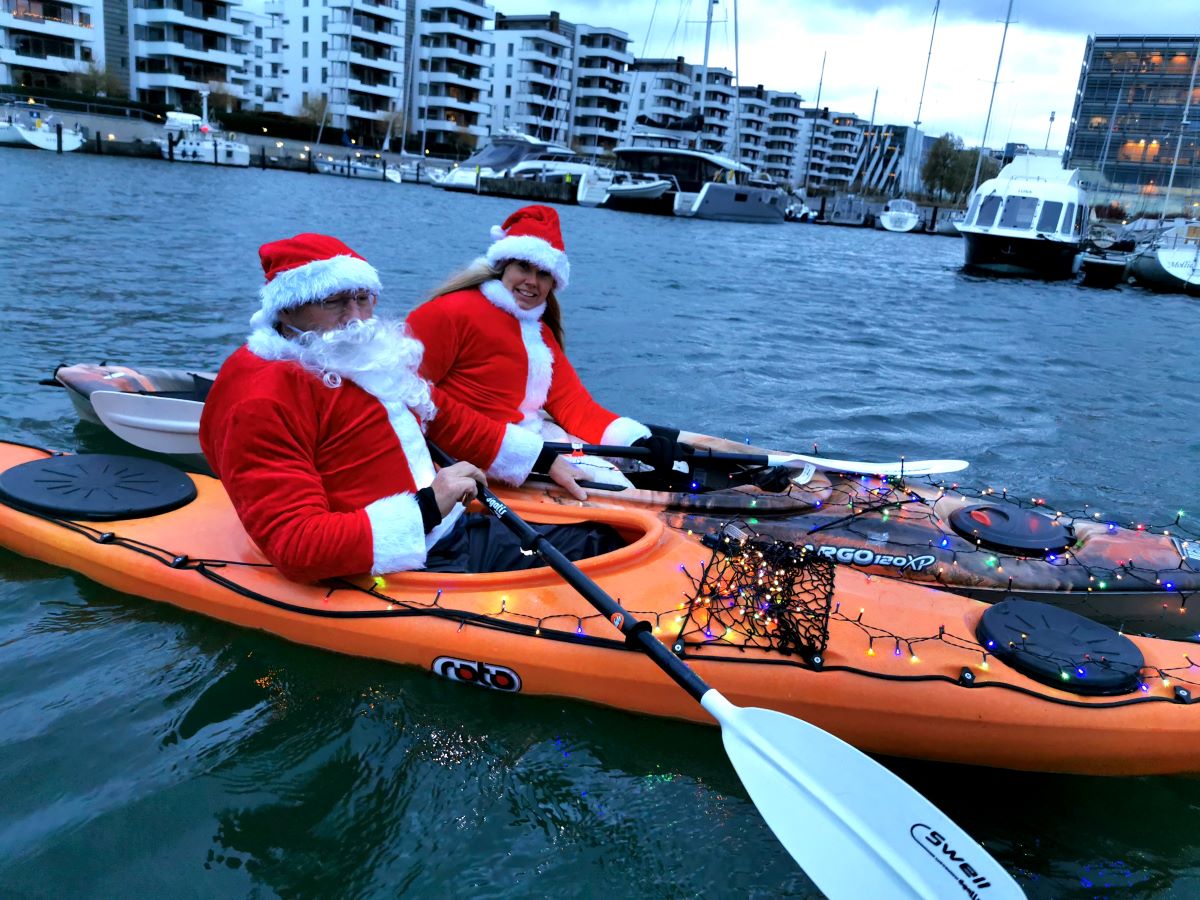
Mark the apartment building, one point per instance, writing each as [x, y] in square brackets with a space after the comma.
[714, 101]
[752, 124]
[181, 47]
[660, 94]
[452, 76]
[783, 145]
[533, 76]
[600, 91]
[45, 44]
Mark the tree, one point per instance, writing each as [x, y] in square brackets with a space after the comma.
[939, 164]
[962, 174]
[221, 97]
[98, 81]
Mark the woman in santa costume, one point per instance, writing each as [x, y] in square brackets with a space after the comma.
[315, 428]
[493, 341]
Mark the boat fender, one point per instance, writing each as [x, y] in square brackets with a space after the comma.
[1058, 647]
[1011, 529]
[96, 487]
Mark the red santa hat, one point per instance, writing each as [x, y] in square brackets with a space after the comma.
[532, 234]
[309, 267]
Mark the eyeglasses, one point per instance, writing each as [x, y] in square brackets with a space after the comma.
[343, 301]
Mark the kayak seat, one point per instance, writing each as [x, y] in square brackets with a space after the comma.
[96, 487]
[198, 392]
[1060, 648]
[1010, 529]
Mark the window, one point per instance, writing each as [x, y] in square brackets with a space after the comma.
[304, 22]
[324, 75]
[257, 31]
[304, 49]
[258, 71]
[508, 90]
[304, 74]
[258, 52]
[1018, 212]
[987, 211]
[1066, 222]
[258, 90]
[509, 70]
[324, 24]
[1048, 220]
[324, 50]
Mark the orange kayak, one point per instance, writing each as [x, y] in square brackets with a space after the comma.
[896, 669]
[985, 544]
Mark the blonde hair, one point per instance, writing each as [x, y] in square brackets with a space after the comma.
[480, 271]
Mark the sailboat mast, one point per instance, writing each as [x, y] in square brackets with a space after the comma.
[709, 4]
[812, 133]
[737, 93]
[995, 81]
[1183, 126]
[928, 58]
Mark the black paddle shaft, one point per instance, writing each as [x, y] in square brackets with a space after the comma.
[696, 454]
[638, 633]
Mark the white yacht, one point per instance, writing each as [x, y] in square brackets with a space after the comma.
[191, 138]
[359, 167]
[1029, 220]
[1170, 261]
[515, 155]
[35, 125]
[900, 215]
[676, 181]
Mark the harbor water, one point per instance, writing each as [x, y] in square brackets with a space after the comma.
[145, 751]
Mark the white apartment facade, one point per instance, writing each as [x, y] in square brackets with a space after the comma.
[752, 123]
[783, 146]
[533, 76]
[715, 102]
[44, 44]
[451, 74]
[660, 94]
[600, 91]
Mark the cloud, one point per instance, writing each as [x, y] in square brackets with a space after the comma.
[882, 45]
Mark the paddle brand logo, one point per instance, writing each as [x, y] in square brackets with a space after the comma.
[936, 845]
[468, 671]
[861, 556]
[496, 506]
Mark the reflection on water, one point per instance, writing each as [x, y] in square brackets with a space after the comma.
[148, 751]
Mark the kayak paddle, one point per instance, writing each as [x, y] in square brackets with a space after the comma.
[914, 467]
[160, 424]
[855, 828]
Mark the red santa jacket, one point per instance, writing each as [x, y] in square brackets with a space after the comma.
[324, 483]
[494, 368]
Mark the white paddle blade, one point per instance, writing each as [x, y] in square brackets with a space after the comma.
[856, 829]
[159, 424]
[913, 467]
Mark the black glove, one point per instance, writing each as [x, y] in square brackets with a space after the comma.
[662, 451]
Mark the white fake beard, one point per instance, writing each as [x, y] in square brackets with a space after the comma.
[379, 356]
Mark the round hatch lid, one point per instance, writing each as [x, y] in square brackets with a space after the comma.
[1011, 529]
[1060, 648]
[96, 487]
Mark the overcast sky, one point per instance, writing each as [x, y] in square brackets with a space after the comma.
[883, 44]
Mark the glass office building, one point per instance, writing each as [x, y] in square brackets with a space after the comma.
[1128, 128]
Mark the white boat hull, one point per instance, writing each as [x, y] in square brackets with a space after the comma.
[358, 170]
[45, 138]
[899, 222]
[640, 190]
[1175, 270]
[210, 151]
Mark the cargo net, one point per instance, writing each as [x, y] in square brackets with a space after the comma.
[756, 592]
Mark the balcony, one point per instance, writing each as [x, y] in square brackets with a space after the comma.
[453, 53]
[182, 51]
[142, 16]
[366, 29]
[453, 78]
[72, 29]
[470, 8]
[162, 80]
[477, 107]
[452, 128]
[377, 63]
[381, 89]
[452, 29]
[46, 63]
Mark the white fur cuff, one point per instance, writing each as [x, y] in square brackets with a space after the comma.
[623, 432]
[397, 534]
[518, 452]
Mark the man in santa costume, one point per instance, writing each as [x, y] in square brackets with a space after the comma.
[493, 341]
[315, 428]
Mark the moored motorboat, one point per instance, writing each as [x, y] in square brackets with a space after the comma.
[357, 167]
[900, 215]
[884, 519]
[192, 138]
[35, 125]
[1027, 221]
[890, 667]
[1170, 261]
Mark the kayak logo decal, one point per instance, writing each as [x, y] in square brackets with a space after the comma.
[935, 844]
[468, 671]
[861, 556]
